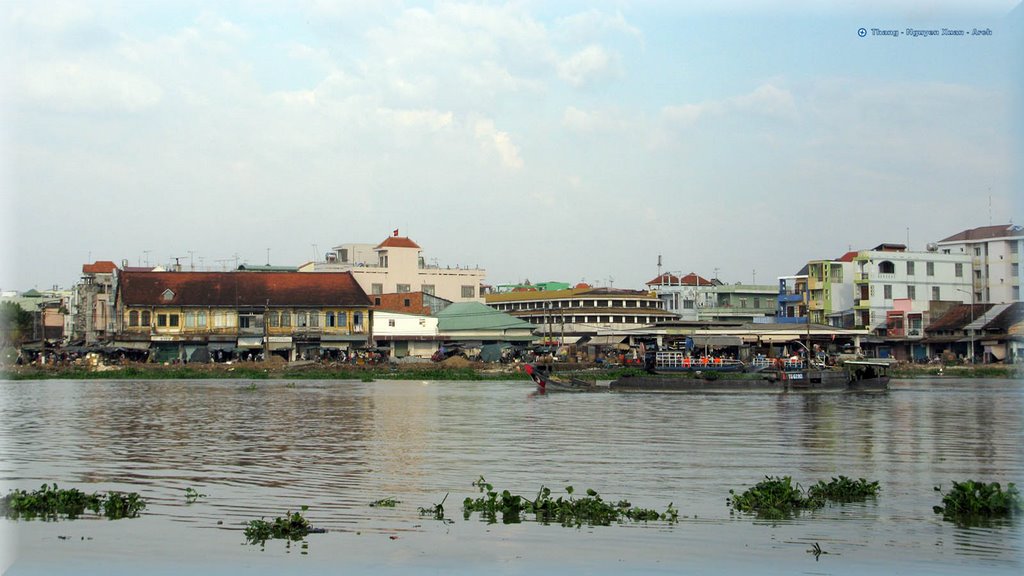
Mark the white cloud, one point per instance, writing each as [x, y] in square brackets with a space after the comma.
[589, 65]
[429, 119]
[86, 86]
[491, 138]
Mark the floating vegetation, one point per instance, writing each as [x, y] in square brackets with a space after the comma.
[779, 497]
[591, 510]
[292, 527]
[816, 550]
[51, 503]
[774, 498]
[844, 489]
[972, 503]
[385, 502]
[191, 495]
[437, 510]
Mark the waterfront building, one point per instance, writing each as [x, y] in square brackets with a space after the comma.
[92, 304]
[479, 324]
[994, 331]
[830, 289]
[693, 298]
[894, 288]
[791, 302]
[994, 252]
[397, 265]
[582, 310]
[198, 315]
[405, 323]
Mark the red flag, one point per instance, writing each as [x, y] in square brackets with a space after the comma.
[396, 232]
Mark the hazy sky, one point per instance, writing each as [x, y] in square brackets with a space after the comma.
[538, 140]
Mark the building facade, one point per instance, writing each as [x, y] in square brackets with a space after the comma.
[694, 298]
[894, 286]
[830, 286]
[189, 315]
[92, 304]
[994, 252]
[583, 310]
[397, 265]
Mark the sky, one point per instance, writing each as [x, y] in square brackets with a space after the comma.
[542, 141]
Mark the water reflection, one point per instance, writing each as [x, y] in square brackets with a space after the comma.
[261, 449]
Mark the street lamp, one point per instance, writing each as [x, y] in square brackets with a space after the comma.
[970, 333]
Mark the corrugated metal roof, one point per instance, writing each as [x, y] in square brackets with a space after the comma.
[477, 316]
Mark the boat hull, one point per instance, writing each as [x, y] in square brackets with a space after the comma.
[775, 382]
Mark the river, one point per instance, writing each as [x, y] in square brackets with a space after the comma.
[260, 449]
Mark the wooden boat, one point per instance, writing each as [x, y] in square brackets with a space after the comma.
[546, 381]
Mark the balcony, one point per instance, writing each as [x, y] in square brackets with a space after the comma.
[791, 297]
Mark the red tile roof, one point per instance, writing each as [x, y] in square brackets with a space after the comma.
[848, 257]
[236, 289]
[985, 232]
[690, 279]
[99, 267]
[398, 242]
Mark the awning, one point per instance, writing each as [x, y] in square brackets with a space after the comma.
[132, 345]
[701, 341]
[343, 338]
[224, 346]
[605, 340]
[334, 345]
[251, 342]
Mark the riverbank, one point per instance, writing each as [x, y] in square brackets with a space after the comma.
[452, 369]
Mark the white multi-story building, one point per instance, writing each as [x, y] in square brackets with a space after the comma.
[694, 298]
[890, 283]
[397, 265]
[995, 260]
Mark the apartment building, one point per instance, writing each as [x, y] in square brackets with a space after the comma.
[994, 253]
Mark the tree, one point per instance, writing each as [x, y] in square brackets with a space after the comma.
[15, 323]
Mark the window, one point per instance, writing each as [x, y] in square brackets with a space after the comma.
[376, 288]
[357, 319]
[757, 302]
[286, 318]
[314, 319]
[133, 318]
[243, 321]
[958, 269]
[219, 319]
[301, 320]
[167, 295]
[329, 320]
[391, 322]
[1014, 247]
[427, 289]
[407, 302]
[190, 319]
[144, 318]
[161, 320]
[341, 319]
[402, 288]
[468, 292]
[886, 267]
[910, 268]
[1014, 269]
[272, 319]
[912, 292]
[936, 293]
[929, 268]
[172, 320]
[1016, 293]
[887, 291]
[201, 318]
[977, 250]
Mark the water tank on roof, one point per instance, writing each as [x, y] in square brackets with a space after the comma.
[932, 247]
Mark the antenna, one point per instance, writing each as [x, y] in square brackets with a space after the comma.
[659, 265]
[268, 256]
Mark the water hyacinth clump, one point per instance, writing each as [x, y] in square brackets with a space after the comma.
[591, 510]
[774, 497]
[843, 490]
[972, 502]
[292, 527]
[51, 503]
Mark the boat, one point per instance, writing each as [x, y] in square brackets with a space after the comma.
[781, 377]
[674, 361]
[546, 381]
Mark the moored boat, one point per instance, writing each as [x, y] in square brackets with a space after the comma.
[674, 362]
[546, 381]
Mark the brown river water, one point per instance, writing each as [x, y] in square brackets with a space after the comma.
[260, 449]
